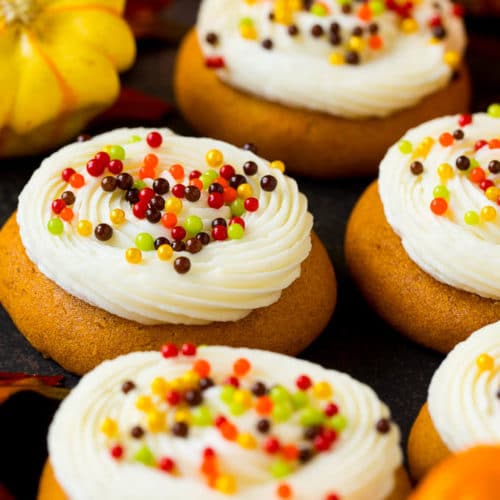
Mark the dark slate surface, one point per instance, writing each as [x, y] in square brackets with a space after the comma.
[356, 341]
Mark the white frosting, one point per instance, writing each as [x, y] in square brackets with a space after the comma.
[361, 464]
[227, 279]
[453, 252]
[297, 71]
[463, 401]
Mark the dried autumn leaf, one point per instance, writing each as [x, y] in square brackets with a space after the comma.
[12, 383]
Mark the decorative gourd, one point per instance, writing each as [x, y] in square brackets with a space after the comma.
[59, 63]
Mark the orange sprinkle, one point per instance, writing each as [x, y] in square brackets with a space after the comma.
[177, 171]
[364, 12]
[169, 220]
[290, 452]
[264, 405]
[284, 491]
[446, 139]
[197, 183]
[209, 466]
[494, 144]
[375, 42]
[66, 214]
[77, 181]
[151, 160]
[202, 367]
[223, 182]
[229, 194]
[241, 367]
[229, 431]
[147, 172]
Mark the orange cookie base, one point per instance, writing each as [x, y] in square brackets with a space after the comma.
[413, 302]
[50, 489]
[79, 336]
[473, 474]
[310, 143]
[425, 447]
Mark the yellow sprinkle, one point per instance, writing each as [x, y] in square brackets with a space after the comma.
[244, 190]
[159, 386]
[356, 43]
[488, 213]
[84, 228]
[173, 205]
[243, 397]
[156, 421]
[183, 416]
[409, 25]
[177, 384]
[336, 59]
[165, 252]
[190, 378]
[143, 403]
[322, 390]
[492, 193]
[248, 32]
[485, 362]
[133, 256]
[278, 165]
[423, 149]
[117, 216]
[225, 484]
[434, 41]
[452, 58]
[214, 158]
[247, 441]
[445, 171]
[109, 427]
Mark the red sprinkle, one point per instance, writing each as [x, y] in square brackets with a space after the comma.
[435, 21]
[271, 445]
[251, 204]
[188, 349]
[215, 62]
[67, 173]
[227, 171]
[464, 120]
[215, 200]
[173, 398]
[139, 209]
[237, 220]
[95, 168]
[331, 409]
[178, 233]
[221, 419]
[219, 232]
[303, 382]
[208, 453]
[116, 451]
[103, 157]
[169, 351]
[479, 144]
[322, 443]
[166, 464]
[178, 190]
[115, 166]
[146, 194]
[232, 381]
[484, 185]
[154, 139]
[58, 206]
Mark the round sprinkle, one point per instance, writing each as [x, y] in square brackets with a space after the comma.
[145, 242]
[214, 158]
[153, 215]
[241, 367]
[488, 213]
[485, 362]
[293, 30]
[55, 226]
[267, 44]
[180, 429]
[211, 38]
[77, 181]
[405, 147]
[205, 383]
[494, 110]
[173, 205]
[193, 245]
[383, 426]
[182, 265]
[177, 172]
[237, 180]
[259, 389]
[263, 426]
[133, 256]
[68, 197]
[462, 163]
[178, 246]
[154, 139]
[279, 165]
[117, 216]
[441, 192]
[84, 228]
[268, 183]
[165, 252]
[109, 183]
[416, 168]
[250, 146]
[115, 166]
[494, 166]
[137, 432]
[116, 152]
[125, 181]
[161, 240]
[193, 224]
[471, 217]
[95, 168]
[352, 57]
[250, 168]
[439, 206]
[284, 491]
[157, 202]
[161, 186]
[317, 31]
[203, 237]
[128, 386]
[458, 134]
[192, 193]
[103, 232]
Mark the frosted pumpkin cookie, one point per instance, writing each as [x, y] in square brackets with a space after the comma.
[428, 232]
[218, 423]
[139, 237]
[473, 474]
[325, 86]
[463, 405]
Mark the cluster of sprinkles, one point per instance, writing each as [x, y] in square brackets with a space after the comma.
[349, 46]
[220, 186]
[175, 406]
[485, 176]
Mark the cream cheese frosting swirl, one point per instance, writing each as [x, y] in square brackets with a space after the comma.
[464, 393]
[360, 464]
[228, 279]
[459, 247]
[396, 60]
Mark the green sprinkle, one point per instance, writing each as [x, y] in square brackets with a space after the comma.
[300, 399]
[145, 242]
[246, 21]
[282, 412]
[337, 423]
[494, 110]
[237, 409]
[145, 456]
[311, 416]
[193, 225]
[227, 393]
[471, 217]
[208, 177]
[116, 152]
[280, 469]
[405, 147]
[138, 184]
[377, 7]
[202, 416]
[441, 192]
[238, 207]
[55, 226]
[135, 138]
[318, 10]
[279, 394]
[235, 232]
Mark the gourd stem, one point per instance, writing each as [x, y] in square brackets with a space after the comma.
[18, 11]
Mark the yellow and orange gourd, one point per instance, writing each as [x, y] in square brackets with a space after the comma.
[59, 64]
